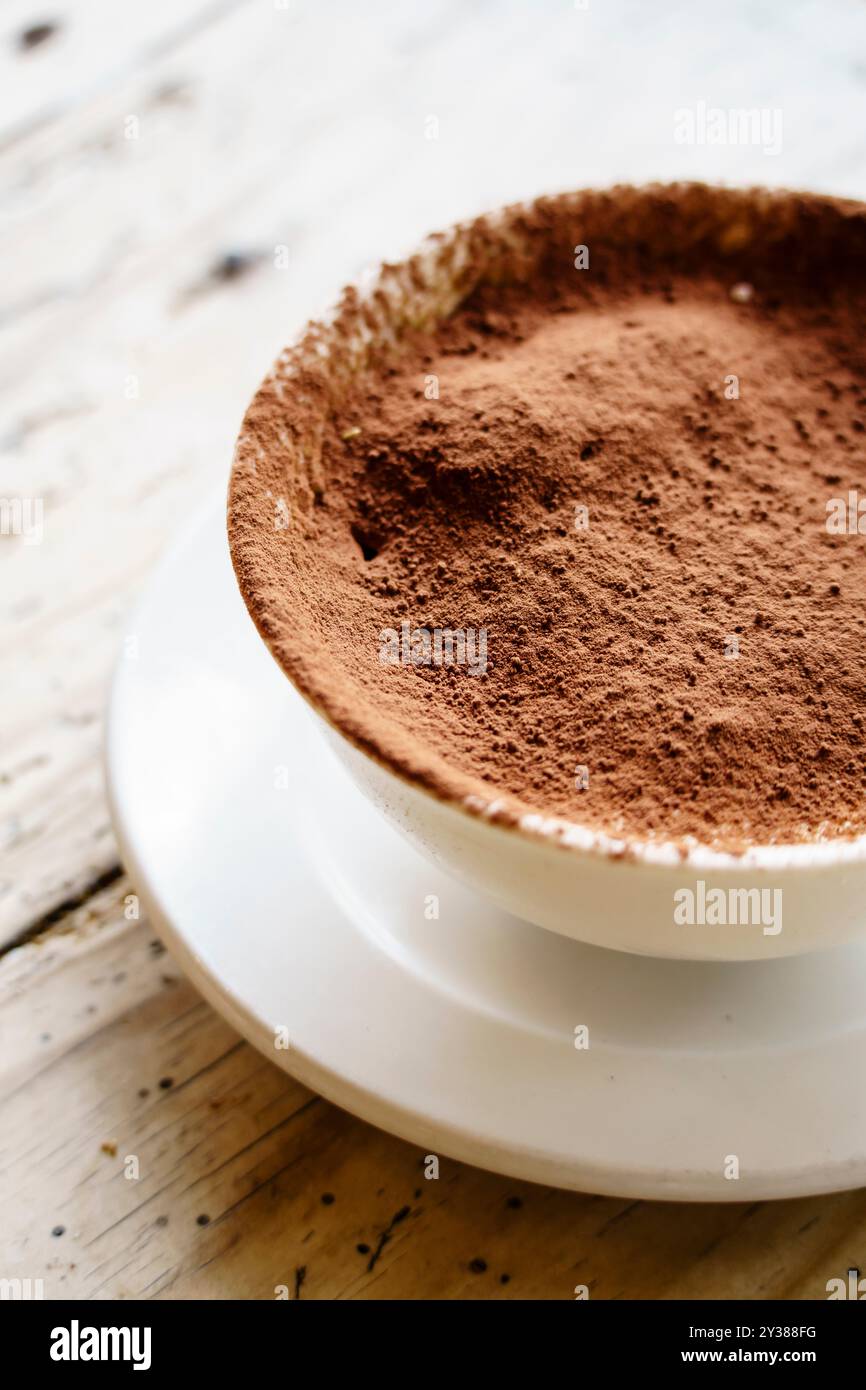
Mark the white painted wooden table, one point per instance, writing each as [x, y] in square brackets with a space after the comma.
[180, 186]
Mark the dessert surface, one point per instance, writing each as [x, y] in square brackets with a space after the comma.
[593, 543]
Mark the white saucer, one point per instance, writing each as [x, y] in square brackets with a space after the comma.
[298, 907]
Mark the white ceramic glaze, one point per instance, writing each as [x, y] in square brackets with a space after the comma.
[290, 903]
[623, 904]
[626, 905]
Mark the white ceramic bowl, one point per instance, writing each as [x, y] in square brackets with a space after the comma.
[628, 903]
[774, 900]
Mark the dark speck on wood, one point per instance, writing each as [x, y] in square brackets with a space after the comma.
[230, 266]
[172, 93]
[233, 264]
[300, 1276]
[35, 34]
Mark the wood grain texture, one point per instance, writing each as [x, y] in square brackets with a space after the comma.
[152, 159]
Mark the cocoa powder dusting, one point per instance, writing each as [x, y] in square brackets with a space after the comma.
[622, 475]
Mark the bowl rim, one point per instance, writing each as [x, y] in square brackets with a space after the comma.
[367, 301]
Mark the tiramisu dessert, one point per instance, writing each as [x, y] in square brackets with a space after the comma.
[571, 516]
